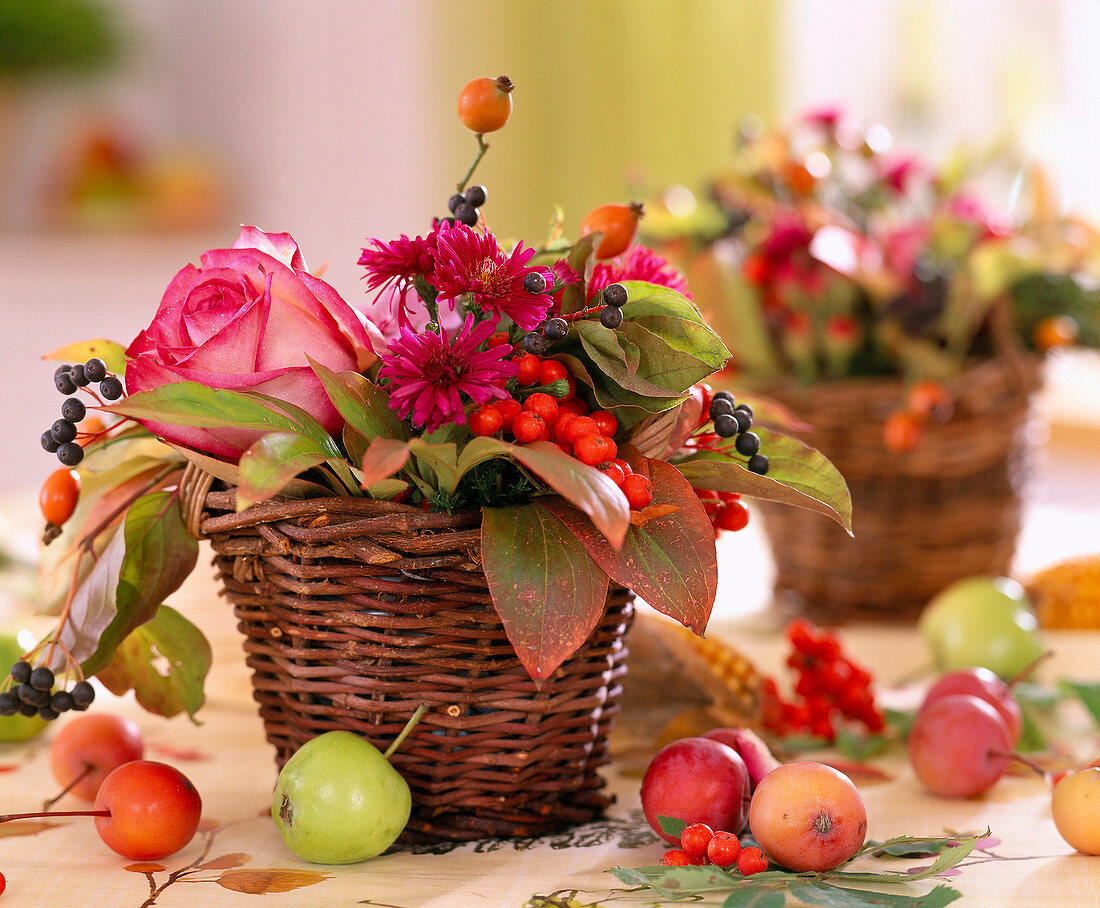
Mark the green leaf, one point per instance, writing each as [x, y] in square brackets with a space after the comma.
[548, 592]
[114, 355]
[858, 747]
[1088, 694]
[231, 474]
[154, 555]
[685, 335]
[670, 562]
[165, 662]
[680, 882]
[755, 897]
[364, 406]
[949, 857]
[821, 893]
[797, 475]
[662, 371]
[272, 461]
[922, 848]
[673, 826]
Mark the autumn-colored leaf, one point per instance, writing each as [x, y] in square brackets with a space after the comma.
[25, 827]
[145, 867]
[261, 882]
[642, 517]
[225, 861]
[113, 354]
[670, 562]
[384, 457]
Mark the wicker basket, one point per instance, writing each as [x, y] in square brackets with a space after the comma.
[922, 520]
[355, 611]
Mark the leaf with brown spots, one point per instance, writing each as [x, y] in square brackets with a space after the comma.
[226, 861]
[260, 882]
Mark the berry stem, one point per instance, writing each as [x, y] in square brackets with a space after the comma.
[1028, 670]
[409, 726]
[481, 149]
[1030, 764]
[4, 818]
[80, 777]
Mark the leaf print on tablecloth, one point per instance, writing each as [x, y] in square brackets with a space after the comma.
[26, 827]
[145, 867]
[260, 882]
[226, 861]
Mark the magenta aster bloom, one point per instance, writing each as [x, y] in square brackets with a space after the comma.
[471, 261]
[637, 264]
[397, 264]
[428, 377]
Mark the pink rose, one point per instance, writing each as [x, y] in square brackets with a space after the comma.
[245, 320]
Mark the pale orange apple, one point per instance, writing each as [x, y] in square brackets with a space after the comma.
[1075, 805]
[808, 816]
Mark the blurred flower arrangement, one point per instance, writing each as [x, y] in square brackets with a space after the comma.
[557, 388]
[832, 255]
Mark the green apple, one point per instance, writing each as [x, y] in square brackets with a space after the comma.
[15, 728]
[338, 800]
[982, 621]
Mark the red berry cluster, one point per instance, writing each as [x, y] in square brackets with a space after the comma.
[725, 510]
[828, 687]
[588, 435]
[699, 844]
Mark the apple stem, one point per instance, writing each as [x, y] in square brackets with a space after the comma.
[409, 726]
[1012, 755]
[1028, 670]
[84, 773]
[56, 813]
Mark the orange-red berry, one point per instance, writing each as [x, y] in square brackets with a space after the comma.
[695, 839]
[608, 424]
[751, 860]
[612, 471]
[723, 849]
[902, 432]
[486, 420]
[550, 371]
[509, 409]
[581, 425]
[58, 496]
[573, 405]
[593, 449]
[484, 105]
[623, 465]
[543, 404]
[733, 516]
[638, 491]
[676, 858]
[529, 367]
[528, 427]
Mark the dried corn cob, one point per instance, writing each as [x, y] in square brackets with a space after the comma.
[1067, 595]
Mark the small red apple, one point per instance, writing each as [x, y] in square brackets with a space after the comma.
[808, 816]
[985, 685]
[696, 780]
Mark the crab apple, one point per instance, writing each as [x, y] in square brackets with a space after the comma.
[985, 685]
[759, 760]
[92, 747]
[1075, 805]
[696, 780]
[808, 816]
[154, 810]
[959, 746]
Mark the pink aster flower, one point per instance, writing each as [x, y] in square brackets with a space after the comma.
[471, 261]
[429, 376]
[396, 265]
[637, 264]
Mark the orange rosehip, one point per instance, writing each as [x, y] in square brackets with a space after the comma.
[59, 495]
[485, 104]
[617, 225]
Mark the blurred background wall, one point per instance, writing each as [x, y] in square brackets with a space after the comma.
[174, 121]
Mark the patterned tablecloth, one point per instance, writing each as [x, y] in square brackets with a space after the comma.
[238, 856]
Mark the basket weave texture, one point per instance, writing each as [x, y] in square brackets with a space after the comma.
[949, 509]
[356, 611]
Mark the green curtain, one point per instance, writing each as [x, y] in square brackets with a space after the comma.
[611, 96]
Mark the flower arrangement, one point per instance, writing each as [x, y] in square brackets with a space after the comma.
[832, 255]
[556, 391]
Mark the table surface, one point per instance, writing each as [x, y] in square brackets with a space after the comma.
[238, 853]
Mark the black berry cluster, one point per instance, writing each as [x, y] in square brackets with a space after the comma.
[60, 438]
[614, 298]
[733, 420]
[32, 694]
[465, 207]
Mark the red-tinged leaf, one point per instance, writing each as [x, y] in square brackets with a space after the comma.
[584, 486]
[145, 867]
[226, 861]
[670, 562]
[548, 592]
[580, 259]
[663, 434]
[261, 882]
[384, 457]
[642, 517]
[271, 462]
[364, 405]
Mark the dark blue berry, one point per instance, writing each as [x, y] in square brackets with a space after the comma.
[720, 407]
[476, 195]
[615, 295]
[758, 463]
[111, 388]
[61, 370]
[25, 709]
[744, 419]
[534, 343]
[9, 704]
[21, 671]
[62, 701]
[73, 409]
[747, 408]
[32, 696]
[49, 443]
[467, 214]
[70, 453]
[64, 384]
[95, 369]
[534, 283]
[42, 678]
[63, 430]
[555, 329]
[454, 201]
[726, 396]
[83, 694]
[725, 425]
[611, 316]
[48, 713]
[77, 376]
[748, 443]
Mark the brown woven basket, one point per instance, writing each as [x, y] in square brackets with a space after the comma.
[356, 611]
[949, 509]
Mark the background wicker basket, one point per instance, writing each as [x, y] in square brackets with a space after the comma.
[947, 510]
[355, 611]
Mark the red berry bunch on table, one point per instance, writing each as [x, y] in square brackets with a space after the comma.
[829, 688]
[699, 844]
